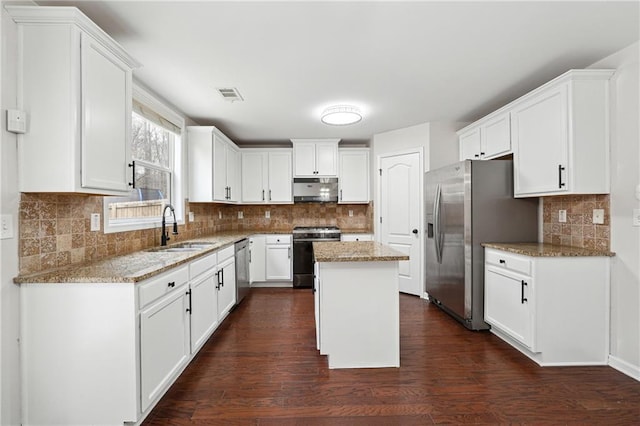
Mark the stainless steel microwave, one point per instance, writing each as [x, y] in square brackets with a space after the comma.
[315, 190]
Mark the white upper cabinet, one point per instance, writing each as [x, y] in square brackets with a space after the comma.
[315, 157]
[75, 84]
[561, 136]
[214, 166]
[354, 175]
[489, 138]
[266, 176]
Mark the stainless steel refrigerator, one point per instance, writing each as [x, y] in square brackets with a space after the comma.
[469, 203]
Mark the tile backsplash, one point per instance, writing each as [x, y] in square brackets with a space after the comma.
[55, 228]
[578, 230]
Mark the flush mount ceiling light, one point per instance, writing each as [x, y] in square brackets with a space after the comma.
[341, 115]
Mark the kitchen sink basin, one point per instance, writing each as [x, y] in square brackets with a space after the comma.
[182, 247]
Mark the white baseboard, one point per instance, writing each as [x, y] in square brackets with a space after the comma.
[625, 367]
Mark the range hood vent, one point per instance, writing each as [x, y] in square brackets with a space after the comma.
[230, 94]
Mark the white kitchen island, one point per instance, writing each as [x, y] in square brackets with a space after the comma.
[357, 304]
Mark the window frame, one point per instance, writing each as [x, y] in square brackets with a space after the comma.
[150, 101]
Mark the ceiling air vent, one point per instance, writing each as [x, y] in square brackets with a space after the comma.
[230, 94]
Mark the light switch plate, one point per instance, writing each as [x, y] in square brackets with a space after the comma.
[219, 214]
[636, 217]
[16, 121]
[267, 214]
[6, 226]
[240, 215]
[562, 216]
[598, 216]
[95, 221]
[192, 217]
[350, 213]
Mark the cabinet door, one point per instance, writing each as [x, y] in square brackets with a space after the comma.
[226, 287]
[278, 262]
[164, 344]
[470, 145]
[257, 258]
[106, 118]
[233, 173]
[254, 169]
[508, 299]
[496, 137]
[540, 134]
[316, 301]
[200, 150]
[354, 176]
[219, 169]
[280, 178]
[204, 310]
[304, 159]
[326, 159]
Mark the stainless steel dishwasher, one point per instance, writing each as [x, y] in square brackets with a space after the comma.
[242, 269]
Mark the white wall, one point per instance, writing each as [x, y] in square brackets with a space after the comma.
[9, 201]
[625, 238]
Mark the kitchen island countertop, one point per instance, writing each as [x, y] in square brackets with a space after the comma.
[355, 251]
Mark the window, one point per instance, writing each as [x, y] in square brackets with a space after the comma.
[155, 155]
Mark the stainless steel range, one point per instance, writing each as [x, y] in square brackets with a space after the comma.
[303, 238]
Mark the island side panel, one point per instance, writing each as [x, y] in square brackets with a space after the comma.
[359, 314]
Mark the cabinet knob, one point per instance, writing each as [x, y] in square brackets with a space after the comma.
[171, 284]
[502, 261]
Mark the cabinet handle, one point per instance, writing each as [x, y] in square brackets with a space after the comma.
[502, 261]
[560, 170]
[477, 155]
[341, 195]
[249, 256]
[263, 195]
[289, 252]
[269, 195]
[522, 286]
[132, 165]
[218, 280]
[229, 192]
[482, 154]
[189, 309]
[171, 284]
[221, 276]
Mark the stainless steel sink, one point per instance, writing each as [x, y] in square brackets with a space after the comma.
[182, 247]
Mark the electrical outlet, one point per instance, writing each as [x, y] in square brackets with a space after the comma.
[267, 214]
[240, 215]
[6, 226]
[95, 221]
[219, 214]
[350, 213]
[192, 216]
[636, 217]
[598, 216]
[562, 216]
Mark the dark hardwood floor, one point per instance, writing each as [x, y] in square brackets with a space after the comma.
[261, 368]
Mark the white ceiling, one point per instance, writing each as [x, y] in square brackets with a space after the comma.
[403, 63]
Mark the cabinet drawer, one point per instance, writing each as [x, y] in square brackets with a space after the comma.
[226, 253]
[508, 261]
[356, 237]
[278, 239]
[202, 265]
[150, 290]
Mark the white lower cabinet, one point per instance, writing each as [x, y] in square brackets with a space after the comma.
[164, 343]
[278, 258]
[271, 260]
[105, 353]
[226, 281]
[552, 309]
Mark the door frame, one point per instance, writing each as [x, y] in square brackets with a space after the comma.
[377, 211]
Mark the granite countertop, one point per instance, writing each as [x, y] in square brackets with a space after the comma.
[547, 250]
[355, 251]
[133, 267]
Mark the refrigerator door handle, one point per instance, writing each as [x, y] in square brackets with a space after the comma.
[436, 221]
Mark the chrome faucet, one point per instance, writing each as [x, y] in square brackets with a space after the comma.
[165, 233]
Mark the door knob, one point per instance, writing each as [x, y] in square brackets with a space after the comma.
[415, 231]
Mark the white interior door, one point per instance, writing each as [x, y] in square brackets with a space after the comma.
[400, 215]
